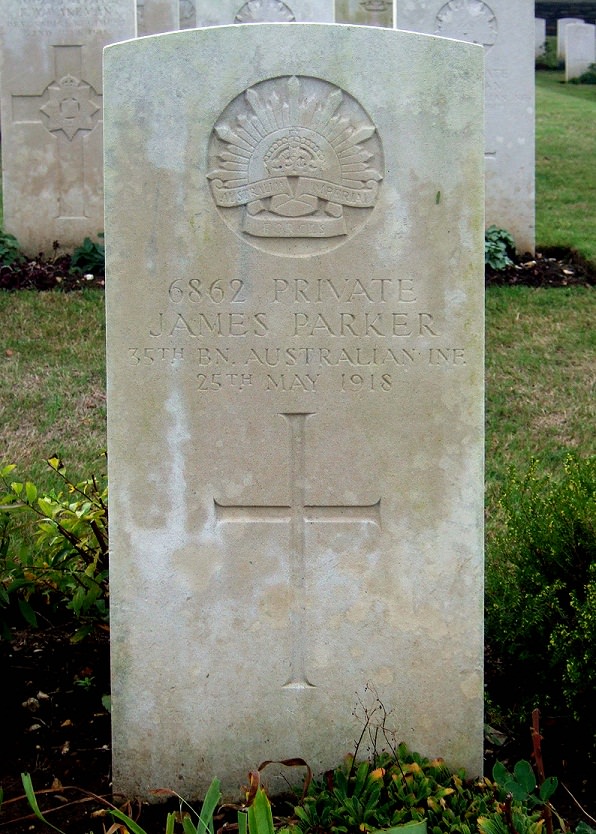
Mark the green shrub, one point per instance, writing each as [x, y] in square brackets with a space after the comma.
[65, 569]
[548, 60]
[10, 251]
[588, 77]
[541, 595]
[90, 257]
[403, 787]
[498, 246]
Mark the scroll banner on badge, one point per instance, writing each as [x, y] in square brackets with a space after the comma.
[363, 197]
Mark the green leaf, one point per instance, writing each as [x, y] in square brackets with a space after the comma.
[28, 612]
[548, 787]
[31, 492]
[525, 775]
[210, 803]
[81, 633]
[7, 470]
[32, 800]
[106, 701]
[500, 774]
[56, 464]
[188, 825]
[260, 817]
[134, 827]
[170, 822]
[47, 508]
[243, 821]
[517, 791]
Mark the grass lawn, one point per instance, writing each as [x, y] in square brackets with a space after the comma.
[565, 164]
[52, 380]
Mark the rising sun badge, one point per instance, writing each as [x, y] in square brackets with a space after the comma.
[295, 158]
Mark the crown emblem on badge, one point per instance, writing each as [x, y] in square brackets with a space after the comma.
[296, 160]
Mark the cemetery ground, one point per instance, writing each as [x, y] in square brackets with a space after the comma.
[540, 364]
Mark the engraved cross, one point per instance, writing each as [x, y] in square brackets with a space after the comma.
[298, 514]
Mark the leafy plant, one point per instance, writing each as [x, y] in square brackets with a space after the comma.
[587, 77]
[498, 245]
[10, 251]
[395, 790]
[548, 59]
[68, 564]
[90, 257]
[521, 784]
[541, 594]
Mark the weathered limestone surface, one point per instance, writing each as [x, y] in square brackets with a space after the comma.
[295, 385]
[51, 91]
[218, 12]
[157, 16]
[506, 30]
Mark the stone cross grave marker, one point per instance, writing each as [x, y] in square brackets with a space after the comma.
[51, 99]
[506, 30]
[155, 17]
[580, 39]
[365, 12]
[294, 309]
[218, 12]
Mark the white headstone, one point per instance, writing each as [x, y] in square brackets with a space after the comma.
[295, 248]
[540, 36]
[365, 12]
[580, 49]
[188, 14]
[217, 12]
[51, 91]
[505, 29]
[157, 16]
[562, 24]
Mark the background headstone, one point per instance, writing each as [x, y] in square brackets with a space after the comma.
[580, 52]
[540, 36]
[51, 90]
[562, 24]
[188, 14]
[295, 248]
[157, 16]
[506, 30]
[365, 12]
[218, 12]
